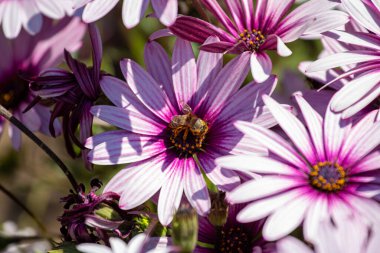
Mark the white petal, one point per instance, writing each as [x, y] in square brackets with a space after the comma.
[261, 66]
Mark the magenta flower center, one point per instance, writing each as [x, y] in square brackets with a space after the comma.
[233, 240]
[251, 39]
[187, 132]
[13, 92]
[327, 177]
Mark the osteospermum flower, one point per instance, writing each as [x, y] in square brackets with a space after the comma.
[232, 236]
[16, 14]
[27, 56]
[133, 10]
[364, 88]
[74, 92]
[175, 121]
[328, 171]
[267, 28]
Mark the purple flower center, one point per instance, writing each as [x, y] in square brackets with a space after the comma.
[233, 239]
[187, 132]
[327, 177]
[12, 92]
[251, 39]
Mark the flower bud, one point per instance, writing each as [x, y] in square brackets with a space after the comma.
[185, 228]
[219, 209]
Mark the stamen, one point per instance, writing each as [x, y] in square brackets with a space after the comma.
[252, 39]
[327, 177]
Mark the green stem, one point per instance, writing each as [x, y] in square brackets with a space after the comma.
[6, 114]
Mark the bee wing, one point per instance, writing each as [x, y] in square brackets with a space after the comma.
[187, 109]
[178, 120]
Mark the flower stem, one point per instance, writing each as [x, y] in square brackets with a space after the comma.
[18, 202]
[6, 114]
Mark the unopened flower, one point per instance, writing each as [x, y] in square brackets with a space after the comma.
[27, 56]
[185, 228]
[175, 120]
[89, 217]
[267, 28]
[133, 10]
[360, 63]
[74, 92]
[16, 14]
[330, 170]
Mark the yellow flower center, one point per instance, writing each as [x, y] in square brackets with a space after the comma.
[327, 177]
[252, 39]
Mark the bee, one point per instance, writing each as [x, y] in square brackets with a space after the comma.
[188, 122]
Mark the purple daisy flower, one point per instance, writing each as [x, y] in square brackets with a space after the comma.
[363, 54]
[330, 171]
[233, 236]
[175, 120]
[16, 14]
[27, 56]
[133, 10]
[269, 28]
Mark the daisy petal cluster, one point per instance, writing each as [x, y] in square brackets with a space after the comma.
[327, 171]
[207, 138]
[269, 27]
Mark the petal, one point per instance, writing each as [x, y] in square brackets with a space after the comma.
[369, 141]
[314, 216]
[335, 132]
[128, 120]
[266, 186]
[166, 11]
[232, 74]
[208, 66]
[262, 208]
[133, 11]
[355, 38]
[52, 9]
[261, 66]
[363, 14]
[97, 9]
[33, 19]
[184, 72]
[197, 30]
[225, 180]
[256, 164]
[326, 21]
[195, 188]
[355, 90]
[342, 59]
[158, 66]
[285, 219]
[171, 193]
[147, 89]
[282, 49]
[369, 163]
[118, 245]
[118, 147]
[291, 244]
[314, 124]
[293, 128]
[93, 247]
[139, 182]
[12, 20]
[273, 142]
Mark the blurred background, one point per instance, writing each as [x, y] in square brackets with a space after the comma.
[39, 183]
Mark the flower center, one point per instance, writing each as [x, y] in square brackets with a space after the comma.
[233, 240]
[187, 132]
[252, 39]
[327, 177]
[13, 92]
